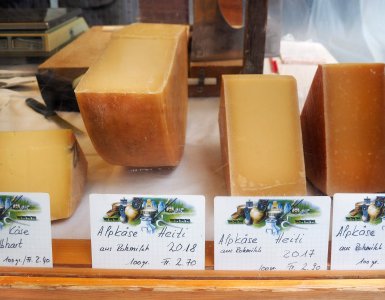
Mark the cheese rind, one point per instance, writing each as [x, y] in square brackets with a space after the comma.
[343, 128]
[134, 100]
[44, 161]
[261, 136]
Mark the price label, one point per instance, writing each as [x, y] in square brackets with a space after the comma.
[25, 230]
[147, 231]
[358, 238]
[271, 233]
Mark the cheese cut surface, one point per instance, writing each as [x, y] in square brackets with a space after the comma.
[118, 69]
[134, 99]
[80, 53]
[44, 161]
[150, 30]
[59, 73]
[343, 124]
[261, 135]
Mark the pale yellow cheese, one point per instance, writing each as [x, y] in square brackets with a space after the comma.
[150, 30]
[134, 99]
[80, 53]
[44, 161]
[261, 135]
[343, 123]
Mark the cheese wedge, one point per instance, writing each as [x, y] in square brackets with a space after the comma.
[134, 99]
[261, 135]
[44, 161]
[150, 30]
[57, 75]
[343, 124]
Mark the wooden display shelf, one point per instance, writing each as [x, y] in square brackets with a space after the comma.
[72, 277]
[210, 71]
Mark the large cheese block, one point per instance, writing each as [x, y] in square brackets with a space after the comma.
[134, 99]
[261, 136]
[150, 30]
[57, 74]
[44, 161]
[343, 124]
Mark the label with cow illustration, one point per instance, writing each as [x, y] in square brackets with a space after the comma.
[147, 231]
[271, 233]
[25, 230]
[358, 236]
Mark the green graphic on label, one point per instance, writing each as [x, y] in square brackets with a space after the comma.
[368, 210]
[17, 209]
[150, 213]
[275, 214]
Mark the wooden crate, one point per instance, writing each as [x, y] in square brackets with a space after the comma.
[72, 277]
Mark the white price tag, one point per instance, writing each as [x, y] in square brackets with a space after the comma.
[25, 230]
[147, 232]
[358, 238]
[271, 233]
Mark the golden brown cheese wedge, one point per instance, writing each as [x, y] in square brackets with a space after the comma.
[44, 161]
[343, 125]
[134, 99]
[261, 135]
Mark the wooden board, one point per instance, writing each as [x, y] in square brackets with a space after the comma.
[164, 11]
[72, 276]
[209, 76]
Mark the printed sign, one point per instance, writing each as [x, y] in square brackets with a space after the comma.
[271, 233]
[358, 238]
[25, 230]
[147, 232]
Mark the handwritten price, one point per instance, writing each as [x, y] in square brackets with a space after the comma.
[179, 262]
[43, 260]
[303, 266]
[38, 260]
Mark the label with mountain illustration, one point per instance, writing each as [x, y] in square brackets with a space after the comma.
[271, 233]
[358, 237]
[147, 231]
[25, 230]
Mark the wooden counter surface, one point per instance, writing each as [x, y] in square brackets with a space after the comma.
[72, 277]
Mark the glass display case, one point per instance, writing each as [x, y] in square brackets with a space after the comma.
[201, 169]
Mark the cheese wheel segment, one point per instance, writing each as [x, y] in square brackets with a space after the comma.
[58, 74]
[261, 136]
[44, 162]
[134, 99]
[149, 30]
[343, 128]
